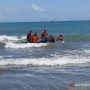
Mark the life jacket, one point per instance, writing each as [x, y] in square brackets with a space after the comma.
[43, 34]
[60, 38]
[34, 39]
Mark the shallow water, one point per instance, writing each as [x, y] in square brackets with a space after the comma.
[44, 78]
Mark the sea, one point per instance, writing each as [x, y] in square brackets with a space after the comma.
[45, 66]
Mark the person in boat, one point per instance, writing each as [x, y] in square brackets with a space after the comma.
[60, 38]
[29, 37]
[52, 40]
[35, 38]
[44, 36]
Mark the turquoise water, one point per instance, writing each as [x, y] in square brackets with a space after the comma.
[45, 66]
[63, 27]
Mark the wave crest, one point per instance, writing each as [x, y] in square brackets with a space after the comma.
[24, 45]
[44, 61]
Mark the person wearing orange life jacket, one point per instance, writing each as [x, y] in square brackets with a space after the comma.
[60, 38]
[29, 37]
[52, 40]
[35, 38]
[43, 34]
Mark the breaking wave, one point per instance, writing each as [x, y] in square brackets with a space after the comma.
[5, 38]
[17, 42]
[56, 60]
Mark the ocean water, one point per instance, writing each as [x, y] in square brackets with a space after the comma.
[45, 66]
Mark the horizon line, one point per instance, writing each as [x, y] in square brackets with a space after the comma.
[43, 21]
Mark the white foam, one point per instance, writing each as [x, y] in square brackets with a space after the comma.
[24, 45]
[44, 61]
[87, 51]
[14, 42]
[5, 38]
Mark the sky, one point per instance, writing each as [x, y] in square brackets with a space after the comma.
[44, 10]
